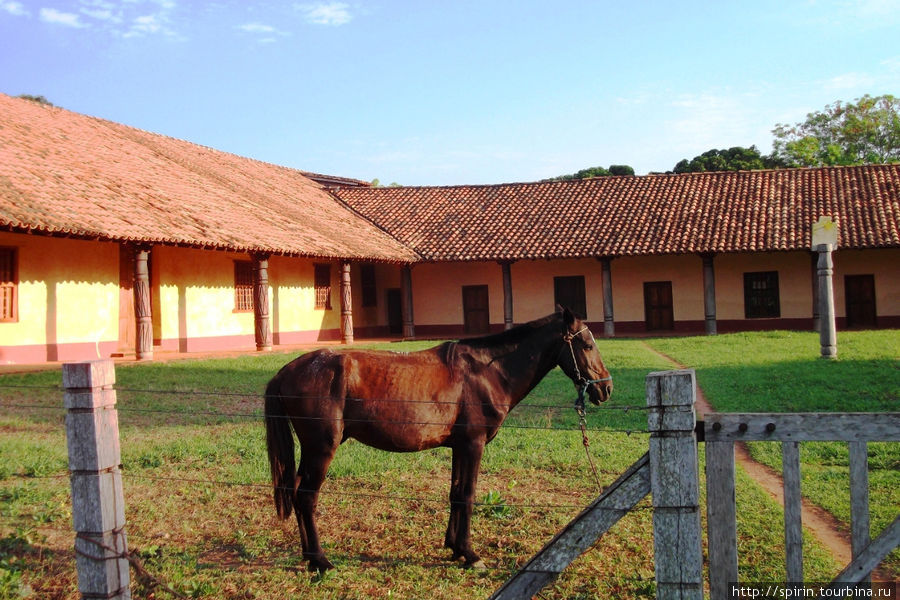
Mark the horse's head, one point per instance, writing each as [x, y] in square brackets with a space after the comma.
[581, 361]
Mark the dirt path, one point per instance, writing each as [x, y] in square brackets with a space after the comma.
[830, 532]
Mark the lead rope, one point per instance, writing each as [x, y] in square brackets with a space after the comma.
[579, 404]
[582, 422]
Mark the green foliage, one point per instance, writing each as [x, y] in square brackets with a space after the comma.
[595, 172]
[37, 99]
[736, 158]
[843, 133]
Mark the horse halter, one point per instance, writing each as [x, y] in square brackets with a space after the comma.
[581, 382]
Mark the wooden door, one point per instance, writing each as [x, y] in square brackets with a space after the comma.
[859, 295]
[476, 312]
[394, 311]
[658, 313]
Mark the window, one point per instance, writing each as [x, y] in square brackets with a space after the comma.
[243, 285]
[9, 284]
[761, 295]
[569, 293]
[323, 286]
[369, 289]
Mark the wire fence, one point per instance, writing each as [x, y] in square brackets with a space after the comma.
[190, 409]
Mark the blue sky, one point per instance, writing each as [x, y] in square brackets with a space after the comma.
[435, 93]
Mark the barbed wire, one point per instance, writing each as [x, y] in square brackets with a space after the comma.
[508, 424]
[260, 395]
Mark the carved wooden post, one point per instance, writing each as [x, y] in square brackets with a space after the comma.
[709, 294]
[346, 305]
[827, 329]
[609, 325]
[409, 327]
[98, 505]
[262, 327]
[675, 485]
[143, 343]
[507, 295]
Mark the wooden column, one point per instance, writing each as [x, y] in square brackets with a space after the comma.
[143, 343]
[827, 329]
[261, 321]
[98, 504]
[346, 305]
[709, 293]
[609, 325]
[507, 295]
[675, 485]
[406, 294]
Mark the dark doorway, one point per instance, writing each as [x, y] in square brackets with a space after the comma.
[658, 313]
[569, 293]
[394, 311]
[476, 312]
[859, 294]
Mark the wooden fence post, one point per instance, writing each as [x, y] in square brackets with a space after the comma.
[98, 506]
[675, 484]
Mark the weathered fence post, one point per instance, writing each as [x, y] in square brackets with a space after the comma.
[98, 506]
[675, 484]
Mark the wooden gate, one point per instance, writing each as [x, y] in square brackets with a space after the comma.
[669, 472]
[721, 431]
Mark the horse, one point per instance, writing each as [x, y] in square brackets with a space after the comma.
[454, 395]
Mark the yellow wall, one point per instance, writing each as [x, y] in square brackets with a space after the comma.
[794, 282]
[68, 292]
[630, 273]
[532, 282]
[883, 264]
[437, 291]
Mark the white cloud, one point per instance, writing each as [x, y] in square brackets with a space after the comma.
[257, 28]
[332, 13]
[14, 8]
[51, 15]
[849, 81]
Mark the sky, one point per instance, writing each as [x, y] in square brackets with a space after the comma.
[453, 92]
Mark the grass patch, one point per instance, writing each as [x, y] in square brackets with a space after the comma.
[780, 371]
[199, 505]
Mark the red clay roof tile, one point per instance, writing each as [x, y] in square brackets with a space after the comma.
[66, 173]
[742, 211]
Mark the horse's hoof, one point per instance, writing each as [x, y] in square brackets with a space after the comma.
[319, 565]
[478, 565]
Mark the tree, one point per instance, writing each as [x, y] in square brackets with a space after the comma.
[843, 134]
[595, 172]
[736, 158]
[38, 99]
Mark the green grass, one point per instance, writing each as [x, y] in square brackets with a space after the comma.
[382, 515]
[781, 372]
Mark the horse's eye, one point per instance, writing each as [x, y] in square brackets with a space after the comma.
[588, 347]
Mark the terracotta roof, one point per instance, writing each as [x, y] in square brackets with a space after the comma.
[740, 211]
[69, 174]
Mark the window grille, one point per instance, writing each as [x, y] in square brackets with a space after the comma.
[243, 285]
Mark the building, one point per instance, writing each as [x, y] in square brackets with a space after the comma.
[116, 241]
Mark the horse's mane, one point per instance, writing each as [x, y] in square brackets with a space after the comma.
[510, 336]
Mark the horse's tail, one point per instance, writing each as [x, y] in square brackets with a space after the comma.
[280, 444]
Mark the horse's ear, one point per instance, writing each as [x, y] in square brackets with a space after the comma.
[568, 316]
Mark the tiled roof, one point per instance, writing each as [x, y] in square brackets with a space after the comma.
[741, 211]
[69, 174]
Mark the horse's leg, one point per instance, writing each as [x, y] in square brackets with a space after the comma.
[314, 462]
[456, 505]
[467, 463]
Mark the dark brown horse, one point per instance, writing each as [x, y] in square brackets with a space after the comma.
[456, 395]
